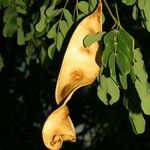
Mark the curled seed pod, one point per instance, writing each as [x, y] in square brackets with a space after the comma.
[58, 128]
[80, 65]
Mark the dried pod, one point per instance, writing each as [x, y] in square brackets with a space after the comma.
[80, 66]
[58, 128]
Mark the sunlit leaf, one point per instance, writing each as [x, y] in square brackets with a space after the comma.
[123, 80]
[20, 37]
[21, 10]
[138, 122]
[54, 13]
[63, 27]
[9, 30]
[127, 38]
[113, 90]
[132, 74]
[107, 52]
[109, 36]
[135, 12]
[30, 34]
[42, 22]
[148, 25]
[122, 63]
[83, 7]
[92, 38]
[141, 3]
[29, 49]
[52, 32]
[9, 13]
[112, 62]
[42, 55]
[92, 4]
[60, 39]
[102, 95]
[144, 94]
[138, 67]
[124, 48]
[68, 17]
[51, 8]
[51, 50]
[103, 82]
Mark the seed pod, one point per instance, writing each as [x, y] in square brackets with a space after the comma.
[58, 128]
[80, 65]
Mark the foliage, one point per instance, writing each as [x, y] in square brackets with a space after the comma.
[43, 31]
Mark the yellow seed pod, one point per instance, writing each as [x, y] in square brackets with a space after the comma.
[58, 128]
[80, 65]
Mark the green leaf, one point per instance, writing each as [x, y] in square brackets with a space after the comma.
[144, 94]
[1, 62]
[92, 4]
[53, 14]
[123, 63]
[102, 94]
[20, 3]
[147, 23]
[42, 22]
[42, 55]
[123, 80]
[9, 13]
[20, 33]
[112, 62]
[9, 30]
[51, 50]
[59, 42]
[20, 37]
[92, 38]
[50, 9]
[83, 6]
[127, 38]
[21, 10]
[113, 90]
[147, 10]
[138, 122]
[139, 68]
[107, 52]
[30, 49]
[141, 3]
[129, 2]
[110, 36]
[68, 17]
[103, 18]
[132, 74]
[135, 12]
[52, 32]
[30, 34]
[103, 83]
[124, 48]
[63, 27]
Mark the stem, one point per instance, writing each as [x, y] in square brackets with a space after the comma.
[117, 21]
[77, 8]
[111, 14]
[117, 14]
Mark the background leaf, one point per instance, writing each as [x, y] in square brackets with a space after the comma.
[60, 39]
[83, 6]
[138, 122]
